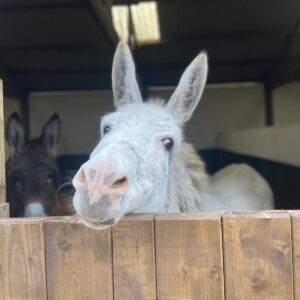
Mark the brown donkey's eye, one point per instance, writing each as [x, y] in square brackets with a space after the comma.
[50, 180]
[168, 143]
[106, 129]
[18, 184]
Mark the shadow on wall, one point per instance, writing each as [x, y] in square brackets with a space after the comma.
[283, 178]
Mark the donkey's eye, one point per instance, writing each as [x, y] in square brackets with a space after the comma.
[106, 129]
[168, 143]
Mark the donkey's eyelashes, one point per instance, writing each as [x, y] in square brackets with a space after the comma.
[168, 143]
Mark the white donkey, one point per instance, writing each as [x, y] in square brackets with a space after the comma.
[142, 164]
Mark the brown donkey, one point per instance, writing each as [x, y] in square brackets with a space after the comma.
[33, 176]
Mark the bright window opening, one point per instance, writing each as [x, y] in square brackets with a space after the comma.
[145, 21]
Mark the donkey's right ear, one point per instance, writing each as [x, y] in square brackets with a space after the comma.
[124, 83]
[14, 134]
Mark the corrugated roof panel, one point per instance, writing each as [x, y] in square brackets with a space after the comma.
[52, 27]
[195, 18]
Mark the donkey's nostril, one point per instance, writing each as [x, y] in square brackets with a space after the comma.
[119, 182]
[79, 178]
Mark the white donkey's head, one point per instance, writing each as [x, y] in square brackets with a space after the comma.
[129, 168]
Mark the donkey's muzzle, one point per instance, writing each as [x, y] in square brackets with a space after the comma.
[100, 188]
[101, 181]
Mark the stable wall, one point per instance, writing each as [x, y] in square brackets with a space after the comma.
[229, 116]
[279, 143]
[222, 107]
[286, 103]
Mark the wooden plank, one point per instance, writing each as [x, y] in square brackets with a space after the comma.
[257, 253]
[4, 210]
[2, 149]
[189, 256]
[134, 258]
[296, 251]
[79, 261]
[22, 260]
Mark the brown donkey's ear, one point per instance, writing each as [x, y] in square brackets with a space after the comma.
[51, 134]
[14, 134]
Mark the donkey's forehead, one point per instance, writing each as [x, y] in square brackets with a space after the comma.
[144, 114]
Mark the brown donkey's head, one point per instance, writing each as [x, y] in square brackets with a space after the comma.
[32, 173]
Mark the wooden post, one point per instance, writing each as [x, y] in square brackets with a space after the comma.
[2, 147]
[4, 208]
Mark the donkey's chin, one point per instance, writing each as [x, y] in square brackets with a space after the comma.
[97, 224]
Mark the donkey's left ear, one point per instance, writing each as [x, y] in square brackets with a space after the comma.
[190, 88]
[14, 134]
[124, 84]
[51, 134]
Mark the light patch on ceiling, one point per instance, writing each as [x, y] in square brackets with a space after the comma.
[145, 21]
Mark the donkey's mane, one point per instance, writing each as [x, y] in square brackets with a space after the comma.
[187, 178]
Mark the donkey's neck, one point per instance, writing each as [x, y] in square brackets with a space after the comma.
[187, 181]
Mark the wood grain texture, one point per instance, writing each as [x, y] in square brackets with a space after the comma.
[79, 261]
[257, 253]
[189, 256]
[134, 259]
[4, 210]
[22, 261]
[295, 215]
[2, 149]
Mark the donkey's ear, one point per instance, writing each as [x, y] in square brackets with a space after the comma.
[188, 93]
[124, 84]
[14, 134]
[51, 134]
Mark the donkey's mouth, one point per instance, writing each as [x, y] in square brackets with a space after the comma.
[98, 225]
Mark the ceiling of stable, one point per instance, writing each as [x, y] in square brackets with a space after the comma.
[69, 44]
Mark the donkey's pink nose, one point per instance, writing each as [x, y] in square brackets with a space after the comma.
[102, 183]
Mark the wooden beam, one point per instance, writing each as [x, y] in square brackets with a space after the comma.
[268, 106]
[10, 88]
[101, 13]
[25, 116]
[274, 76]
[23, 7]
[150, 76]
